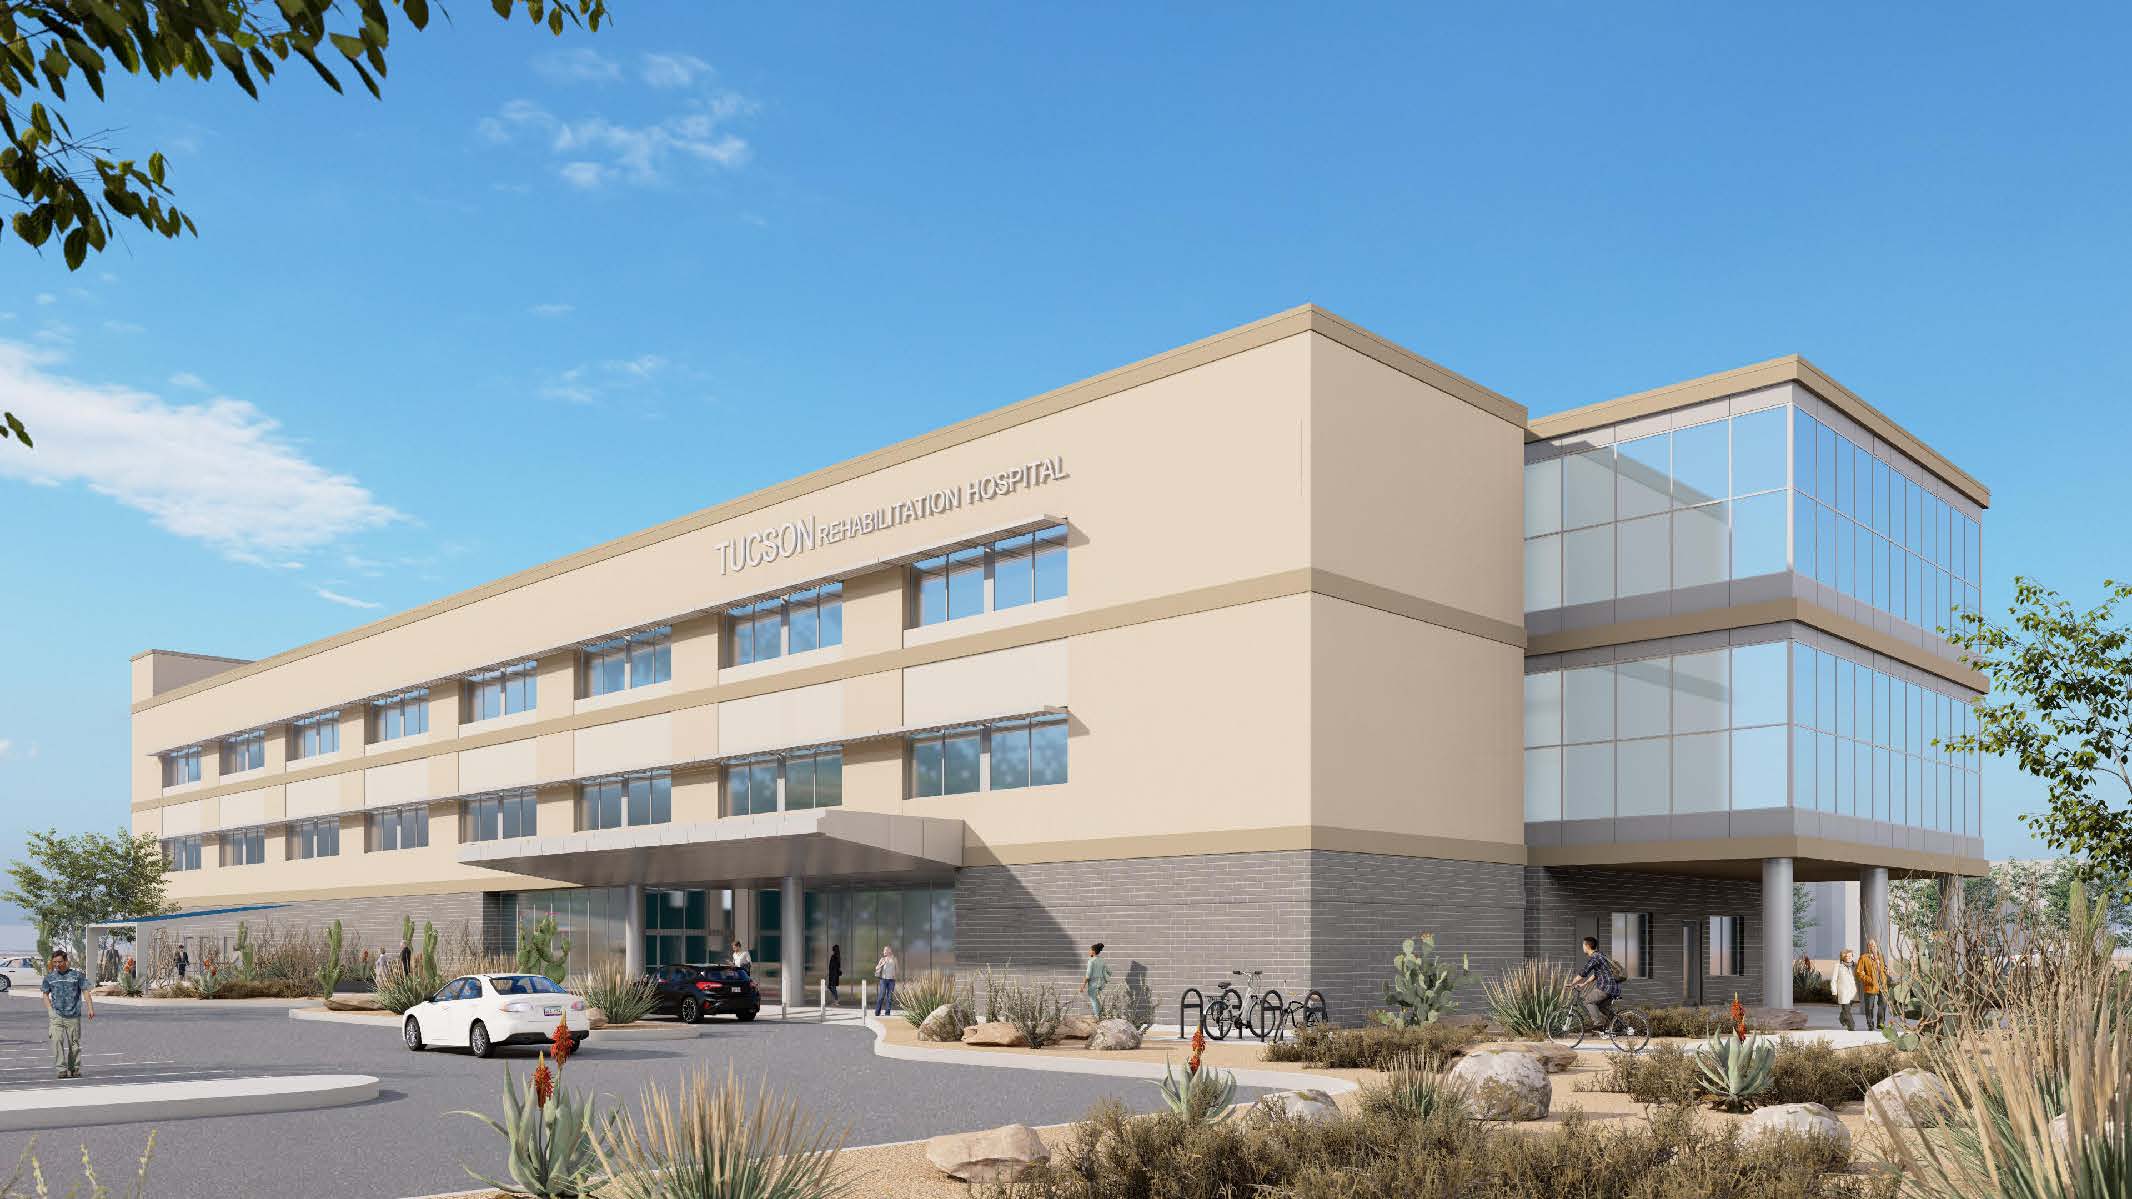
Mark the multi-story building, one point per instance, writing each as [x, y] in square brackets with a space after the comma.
[1261, 653]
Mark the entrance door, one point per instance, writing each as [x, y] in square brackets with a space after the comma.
[1691, 963]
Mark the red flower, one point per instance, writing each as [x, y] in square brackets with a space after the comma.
[563, 1043]
[1739, 1017]
[1199, 1047]
[543, 1083]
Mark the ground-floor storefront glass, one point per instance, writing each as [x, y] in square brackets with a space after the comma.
[919, 922]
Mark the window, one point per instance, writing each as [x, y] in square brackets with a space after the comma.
[246, 751]
[314, 839]
[181, 766]
[751, 787]
[181, 853]
[1632, 944]
[493, 693]
[811, 778]
[315, 735]
[1020, 753]
[499, 817]
[1728, 947]
[243, 846]
[630, 800]
[1013, 571]
[814, 780]
[789, 624]
[407, 828]
[402, 715]
[638, 660]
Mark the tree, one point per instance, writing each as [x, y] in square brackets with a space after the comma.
[2060, 706]
[1802, 917]
[45, 44]
[65, 884]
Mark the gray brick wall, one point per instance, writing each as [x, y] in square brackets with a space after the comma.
[1563, 904]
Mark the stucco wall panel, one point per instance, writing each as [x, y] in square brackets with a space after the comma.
[626, 745]
[496, 767]
[780, 719]
[402, 782]
[1011, 680]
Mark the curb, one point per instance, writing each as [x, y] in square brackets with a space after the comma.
[1273, 1080]
[386, 1020]
[126, 1103]
[145, 1001]
[657, 1032]
[390, 1022]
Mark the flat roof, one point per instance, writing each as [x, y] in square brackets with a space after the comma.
[1306, 318]
[1789, 369]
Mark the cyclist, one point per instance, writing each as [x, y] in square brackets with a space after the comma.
[1597, 987]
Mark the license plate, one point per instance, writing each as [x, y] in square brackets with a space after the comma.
[553, 1011]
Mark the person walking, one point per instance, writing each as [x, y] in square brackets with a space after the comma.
[1094, 978]
[183, 960]
[885, 970]
[836, 972]
[742, 958]
[384, 966]
[407, 957]
[1872, 972]
[1845, 986]
[66, 998]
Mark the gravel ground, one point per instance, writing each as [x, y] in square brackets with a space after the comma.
[405, 1143]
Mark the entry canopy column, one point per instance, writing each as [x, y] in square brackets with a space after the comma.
[633, 939]
[1776, 931]
[1873, 906]
[791, 942]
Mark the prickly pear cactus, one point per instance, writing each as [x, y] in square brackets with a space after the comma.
[1421, 985]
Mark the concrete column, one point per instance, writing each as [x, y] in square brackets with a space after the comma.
[1776, 932]
[1950, 902]
[1873, 907]
[633, 930]
[793, 940]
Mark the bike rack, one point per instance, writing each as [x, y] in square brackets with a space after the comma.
[1192, 998]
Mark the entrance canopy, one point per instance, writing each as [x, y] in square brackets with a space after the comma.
[820, 845]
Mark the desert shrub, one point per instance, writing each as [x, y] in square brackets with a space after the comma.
[226, 987]
[1131, 1002]
[1031, 1007]
[32, 1177]
[1385, 1154]
[1694, 1022]
[1375, 1047]
[402, 991]
[622, 997]
[1663, 1074]
[921, 996]
[1812, 1072]
[1414, 1089]
[1526, 998]
[1811, 986]
[717, 1140]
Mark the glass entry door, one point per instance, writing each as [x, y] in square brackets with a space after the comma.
[1691, 963]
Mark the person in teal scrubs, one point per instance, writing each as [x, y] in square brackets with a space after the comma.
[1095, 978]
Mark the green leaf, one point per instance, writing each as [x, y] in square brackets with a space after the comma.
[76, 248]
[14, 425]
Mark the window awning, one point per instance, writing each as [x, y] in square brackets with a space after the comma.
[818, 845]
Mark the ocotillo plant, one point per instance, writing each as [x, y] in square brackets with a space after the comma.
[329, 973]
[542, 951]
[1421, 986]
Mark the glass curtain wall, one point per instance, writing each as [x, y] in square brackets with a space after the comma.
[918, 921]
[1868, 744]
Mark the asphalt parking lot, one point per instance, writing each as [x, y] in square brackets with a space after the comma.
[406, 1142]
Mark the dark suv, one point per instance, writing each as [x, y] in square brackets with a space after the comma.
[693, 992]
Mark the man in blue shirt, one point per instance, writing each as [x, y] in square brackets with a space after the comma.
[1596, 986]
[66, 998]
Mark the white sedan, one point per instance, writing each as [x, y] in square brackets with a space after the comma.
[19, 970]
[482, 1011]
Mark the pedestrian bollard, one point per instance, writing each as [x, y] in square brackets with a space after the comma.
[821, 1009]
[863, 1009]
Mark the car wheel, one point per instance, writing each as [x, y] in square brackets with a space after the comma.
[412, 1033]
[477, 1040]
[6, 984]
[577, 1040]
[744, 1017]
[691, 1011]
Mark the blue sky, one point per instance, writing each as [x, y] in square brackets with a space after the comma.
[550, 291]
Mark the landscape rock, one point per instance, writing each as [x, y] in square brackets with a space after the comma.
[595, 1018]
[1799, 1119]
[1312, 1107]
[994, 1032]
[1910, 1098]
[2061, 1130]
[1502, 1085]
[1076, 1028]
[354, 1003]
[102, 989]
[1114, 1035]
[996, 1155]
[1556, 1058]
[939, 1025]
[1775, 1019]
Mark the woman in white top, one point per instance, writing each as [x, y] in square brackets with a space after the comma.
[1845, 985]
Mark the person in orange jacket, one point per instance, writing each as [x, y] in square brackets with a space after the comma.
[1872, 984]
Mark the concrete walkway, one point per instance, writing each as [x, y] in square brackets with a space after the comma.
[74, 1103]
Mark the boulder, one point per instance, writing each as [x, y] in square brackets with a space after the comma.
[102, 989]
[1311, 1107]
[1114, 1035]
[595, 1018]
[996, 1155]
[1775, 1019]
[1910, 1098]
[994, 1032]
[2061, 1131]
[354, 1002]
[939, 1025]
[1798, 1119]
[1076, 1028]
[1556, 1058]
[1501, 1085]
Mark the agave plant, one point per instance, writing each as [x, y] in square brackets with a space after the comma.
[1525, 1001]
[715, 1143]
[1736, 1069]
[554, 1146]
[1200, 1096]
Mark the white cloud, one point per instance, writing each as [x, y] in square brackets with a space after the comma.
[122, 327]
[594, 382]
[189, 381]
[45, 297]
[348, 601]
[672, 70]
[216, 471]
[582, 65]
[597, 151]
[5, 745]
[552, 310]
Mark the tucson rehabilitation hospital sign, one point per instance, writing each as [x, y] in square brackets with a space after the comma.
[796, 537]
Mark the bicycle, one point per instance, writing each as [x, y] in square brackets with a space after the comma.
[1301, 1013]
[1252, 1011]
[1629, 1030]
